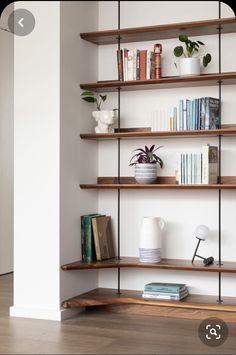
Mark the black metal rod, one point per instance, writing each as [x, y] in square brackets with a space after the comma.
[118, 170]
[195, 253]
[219, 192]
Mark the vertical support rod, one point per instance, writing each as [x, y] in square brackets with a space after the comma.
[118, 169]
[220, 138]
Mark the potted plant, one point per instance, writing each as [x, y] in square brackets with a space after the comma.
[145, 162]
[104, 118]
[189, 64]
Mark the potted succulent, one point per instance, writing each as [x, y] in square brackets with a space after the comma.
[145, 162]
[189, 62]
[105, 118]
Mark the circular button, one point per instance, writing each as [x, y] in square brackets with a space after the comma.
[21, 22]
[213, 331]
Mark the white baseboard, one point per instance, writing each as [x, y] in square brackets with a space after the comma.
[46, 314]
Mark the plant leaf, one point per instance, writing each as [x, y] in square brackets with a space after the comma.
[88, 93]
[202, 44]
[152, 147]
[103, 97]
[206, 59]
[89, 99]
[178, 51]
[183, 38]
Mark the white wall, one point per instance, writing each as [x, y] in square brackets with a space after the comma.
[182, 210]
[79, 159]
[37, 164]
[6, 149]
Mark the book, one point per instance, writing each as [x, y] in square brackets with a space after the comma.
[164, 287]
[143, 64]
[157, 293]
[157, 52]
[209, 164]
[152, 62]
[103, 237]
[120, 64]
[135, 65]
[138, 65]
[148, 65]
[170, 297]
[130, 65]
[212, 113]
[87, 245]
[202, 113]
[125, 63]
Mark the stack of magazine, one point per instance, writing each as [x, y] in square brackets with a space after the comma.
[165, 291]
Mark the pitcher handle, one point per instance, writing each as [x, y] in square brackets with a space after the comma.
[161, 223]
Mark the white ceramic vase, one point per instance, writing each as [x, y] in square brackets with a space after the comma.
[189, 66]
[145, 173]
[105, 119]
[150, 241]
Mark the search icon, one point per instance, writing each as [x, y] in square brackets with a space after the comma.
[213, 331]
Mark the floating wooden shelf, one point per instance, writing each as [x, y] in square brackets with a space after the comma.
[163, 182]
[170, 264]
[107, 296]
[226, 130]
[163, 83]
[167, 31]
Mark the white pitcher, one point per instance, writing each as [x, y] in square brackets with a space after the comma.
[151, 239]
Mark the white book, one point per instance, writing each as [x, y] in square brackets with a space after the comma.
[209, 164]
[130, 66]
[148, 65]
[166, 297]
[199, 168]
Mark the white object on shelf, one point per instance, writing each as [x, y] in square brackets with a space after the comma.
[105, 119]
[189, 66]
[145, 173]
[151, 239]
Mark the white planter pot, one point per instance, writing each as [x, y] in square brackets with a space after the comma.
[150, 240]
[105, 119]
[189, 66]
[145, 173]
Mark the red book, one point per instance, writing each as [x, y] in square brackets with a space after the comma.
[143, 64]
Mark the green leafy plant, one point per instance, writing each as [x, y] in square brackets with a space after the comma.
[191, 48]
[145, 156]
[91, 97]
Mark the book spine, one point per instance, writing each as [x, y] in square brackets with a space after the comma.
[157, 51]
[83, 251]
[167, 297]
[130, 65]
[180, 115]
[188, 124]
[152, 59]
[120, 64]
[205, 164]
[202, 119]
[213, 165]
[143, 64]
[176, 294]
[135, 64]
[125, 64]
[171, 289]
[96, 239]
[148, 67]
[89, 240]
[138, 65]
[214, 112]
[207, 113]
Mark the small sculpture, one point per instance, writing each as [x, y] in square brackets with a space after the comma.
[105, 119]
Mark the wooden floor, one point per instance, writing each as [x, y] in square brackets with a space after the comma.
[104, 332]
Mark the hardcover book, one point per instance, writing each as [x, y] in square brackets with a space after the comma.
[103, 237]
[164, 287]
[209, 164]
[87, 241]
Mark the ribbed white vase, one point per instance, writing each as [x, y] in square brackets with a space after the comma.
[145, 173]
[150, 241]
[189, 66]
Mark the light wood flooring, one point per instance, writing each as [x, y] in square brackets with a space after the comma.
[101, 331]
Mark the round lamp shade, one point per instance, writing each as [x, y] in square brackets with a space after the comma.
[202, 232]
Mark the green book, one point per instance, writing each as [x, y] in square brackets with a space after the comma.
[164, 287]
[87, 240]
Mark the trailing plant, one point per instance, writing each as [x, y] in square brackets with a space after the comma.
[92, 97]
[146, 155]
[191, 48]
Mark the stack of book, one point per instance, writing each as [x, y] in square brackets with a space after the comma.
[165, 291]
[198, 114]
[139, 64]
[198, 168]
[96, 238]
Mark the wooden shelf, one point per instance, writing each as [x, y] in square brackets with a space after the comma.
[170, 264]
[166, 31]
[163, 83]
[227, 130]
[106, 296]
[163, 182]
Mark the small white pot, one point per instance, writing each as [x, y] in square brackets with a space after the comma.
[105, 119]
[145, 173]
[189, 66]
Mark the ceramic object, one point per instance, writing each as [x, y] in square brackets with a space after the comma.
[151, 239]
[145, 173]
[189, 66]
[105, 119]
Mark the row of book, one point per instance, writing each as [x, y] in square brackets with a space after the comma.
[165, 291]
[139, 64]
[198, 167]
[198, 114]
[96, 238]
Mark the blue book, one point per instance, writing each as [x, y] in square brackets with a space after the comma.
[181, 115]
[164, 287]
[196, 114]
[188, 125]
